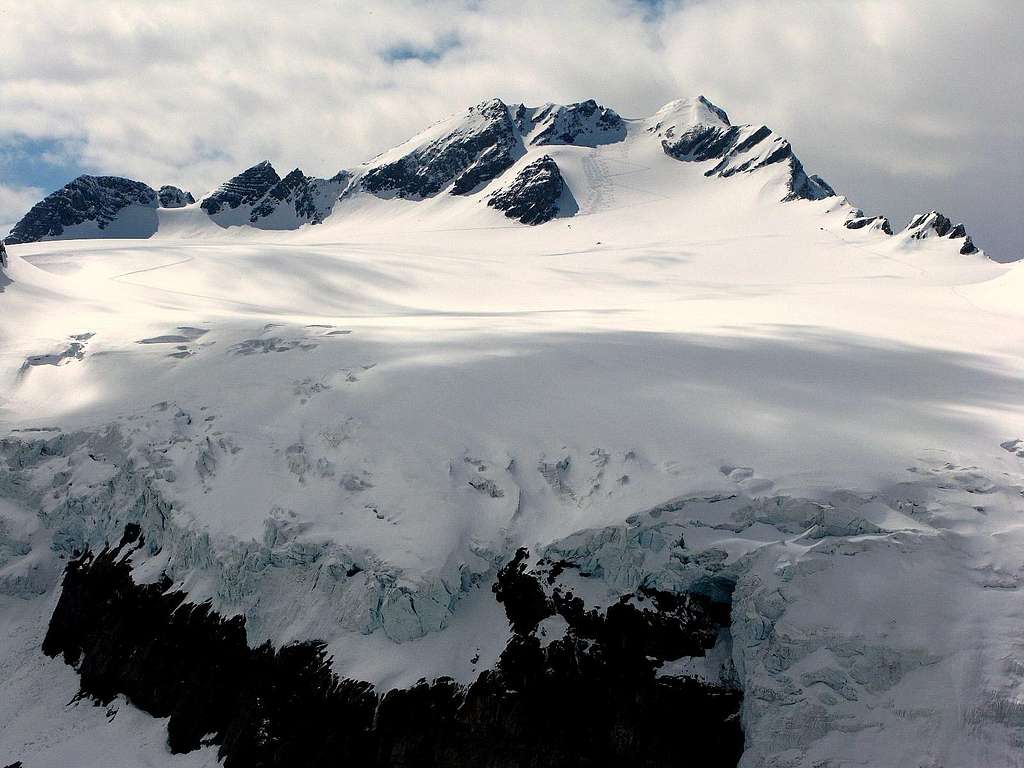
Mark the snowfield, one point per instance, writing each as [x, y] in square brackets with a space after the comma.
[344, 430]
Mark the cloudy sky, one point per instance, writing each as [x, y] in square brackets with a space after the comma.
[903, 105]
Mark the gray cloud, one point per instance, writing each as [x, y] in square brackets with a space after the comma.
[903, 105]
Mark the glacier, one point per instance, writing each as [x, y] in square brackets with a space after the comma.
[338, 408]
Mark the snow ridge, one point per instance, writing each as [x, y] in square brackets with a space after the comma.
[461, 155]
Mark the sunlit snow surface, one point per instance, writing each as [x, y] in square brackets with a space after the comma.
[348, 427]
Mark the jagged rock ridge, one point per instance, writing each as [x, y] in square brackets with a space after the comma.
[262, 198]
[934, 224]
[533, 196]
[698, 131]
[480, 148]
[247, 188]
[585, 123]
[462, 155]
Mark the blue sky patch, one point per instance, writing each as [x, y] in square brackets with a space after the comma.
[45, 163]
[408, 51]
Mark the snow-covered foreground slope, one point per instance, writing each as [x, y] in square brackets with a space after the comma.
[343, 432]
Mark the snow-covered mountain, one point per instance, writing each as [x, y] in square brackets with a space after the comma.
[548, 437]
[97, 206]
[459, 156]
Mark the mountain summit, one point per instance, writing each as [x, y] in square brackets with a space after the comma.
[479, 156]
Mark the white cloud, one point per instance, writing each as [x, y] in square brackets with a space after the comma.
[903, 104]
[14, 201]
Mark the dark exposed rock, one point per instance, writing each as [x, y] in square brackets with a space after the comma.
[311, 199]
[739, 149]
[702, 142]
[928, 224]
[934, 224]
[247, 188]
[590, 698]
[533, 195]
[260, 194]
[173, 197]
[525, 603]
[968, 247]
[585, 123]
[284, 189]
[4, 279]
[96, 199]
[315, 199]
[871, 222]
[478, 150]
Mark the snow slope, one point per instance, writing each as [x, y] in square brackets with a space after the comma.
[342, 431]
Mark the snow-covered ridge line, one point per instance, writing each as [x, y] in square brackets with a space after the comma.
[920, 227]
[465, 156]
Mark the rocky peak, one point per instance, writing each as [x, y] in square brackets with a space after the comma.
[934, 224]
[695, 130]
[260, 197]
[173, 197]
[584, 123]
[3, 254]
[247, 188]
[476, 149]
[86, 199]
[678, 116]
[308, 198]
[533, 196]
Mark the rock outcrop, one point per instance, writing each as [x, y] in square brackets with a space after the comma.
[94, 201]
[247, 188]
[533, 196]
[173, 197]
[586, 124]
[260, 197]
[477, 149]
[860, 221]
[695, 130]
[934, 224]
